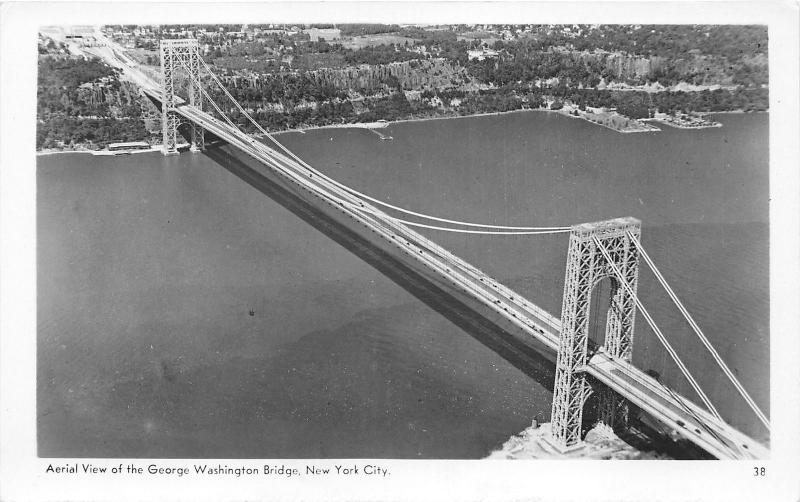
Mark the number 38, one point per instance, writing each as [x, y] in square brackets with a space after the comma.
[759, 471]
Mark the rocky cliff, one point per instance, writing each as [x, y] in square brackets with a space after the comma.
[410, 75]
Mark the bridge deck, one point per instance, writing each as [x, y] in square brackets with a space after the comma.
[683, 416]
[536, 326]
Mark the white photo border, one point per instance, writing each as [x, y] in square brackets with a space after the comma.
[22, 473]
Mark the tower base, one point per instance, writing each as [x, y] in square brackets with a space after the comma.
[560, 449]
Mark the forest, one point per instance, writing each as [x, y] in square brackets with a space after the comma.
[70, 112]
[290, 81]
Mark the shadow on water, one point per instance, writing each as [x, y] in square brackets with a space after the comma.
[521, 356]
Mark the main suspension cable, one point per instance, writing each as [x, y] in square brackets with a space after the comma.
[551, 321]
[463, 231]
[356, 192]
[362, 206]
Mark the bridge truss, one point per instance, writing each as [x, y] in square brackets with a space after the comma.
[587, 265]
[176, 55]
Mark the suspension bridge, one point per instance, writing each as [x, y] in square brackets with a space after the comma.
[608, 249]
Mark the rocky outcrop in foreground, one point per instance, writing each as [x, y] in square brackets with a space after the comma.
[599, 443]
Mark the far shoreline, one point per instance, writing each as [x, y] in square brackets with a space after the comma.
[365, 125]
[383, 125]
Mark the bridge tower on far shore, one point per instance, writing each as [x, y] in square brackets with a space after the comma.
[176, 56]
[586, 267]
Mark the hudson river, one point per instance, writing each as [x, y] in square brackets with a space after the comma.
[149, 268]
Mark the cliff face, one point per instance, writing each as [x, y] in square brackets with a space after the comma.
[120, 98]
[692, 67]
[410, 75]
[622, 66]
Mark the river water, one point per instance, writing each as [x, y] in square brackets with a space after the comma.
[149, 266]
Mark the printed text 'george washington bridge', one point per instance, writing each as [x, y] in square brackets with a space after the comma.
[596, 251]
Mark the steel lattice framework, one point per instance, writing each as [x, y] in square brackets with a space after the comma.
[586, 266]
[176, 55]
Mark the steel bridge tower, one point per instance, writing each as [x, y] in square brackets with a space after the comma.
[176, 55]
[586, 267]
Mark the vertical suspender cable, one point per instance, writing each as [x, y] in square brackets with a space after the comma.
[657, 331]
[701, 335]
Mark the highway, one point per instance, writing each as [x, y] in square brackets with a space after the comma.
[536, 327]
